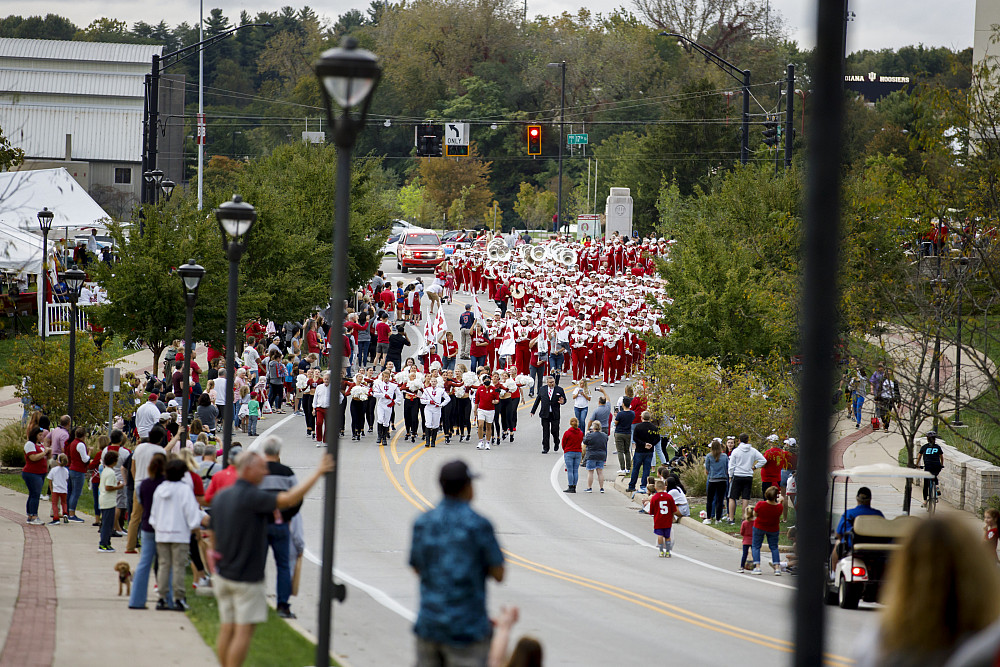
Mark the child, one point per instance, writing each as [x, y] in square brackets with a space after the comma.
[663, 509]
[676, 492]
[59, 481]
[746, 531]
[244, 409]
[991, 518]
[108, 500]
[253, 414]
[175, 513]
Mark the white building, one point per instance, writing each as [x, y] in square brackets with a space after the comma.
[79, 105]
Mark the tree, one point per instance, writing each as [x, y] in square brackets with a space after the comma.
[46, 368]
[716, 23]
[10, 156]
[415, 206]
[465, 178]
[535, 207]
[105, 30]
[700, 400]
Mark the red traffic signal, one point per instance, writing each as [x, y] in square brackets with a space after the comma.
[534, 140]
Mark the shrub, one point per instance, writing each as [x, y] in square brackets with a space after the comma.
[694, 477]
[12, 446]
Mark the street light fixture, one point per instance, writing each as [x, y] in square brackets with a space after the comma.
[167, 186]
[741, 75]
[235, 217]
[562, 112]
[191, 275]
[45, 217]
[74, 279]
[348, 77]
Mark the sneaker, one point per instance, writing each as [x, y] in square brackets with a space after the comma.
[204, 582]
[161, 605]
[481, 445]
[777, 573]
[284, 611]
[642, 489]
[666, 554]
[662, 553]
[54, 522]
[44, 497]
[34, 522]
[181, 605]
[602, 490]
[107, 549]
[117, 534]
[589, 490]
[756, 571]
[487, 446]
[740, 571]
[76, 519]
[65, 519]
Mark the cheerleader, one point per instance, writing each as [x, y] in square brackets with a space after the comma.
[501, 416]
[386, 394]
[465, 381]
[359, 395]
[371, 402]
[434, 397]
[412, 388]
[345, 394]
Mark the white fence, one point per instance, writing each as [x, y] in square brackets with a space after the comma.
[57, 318]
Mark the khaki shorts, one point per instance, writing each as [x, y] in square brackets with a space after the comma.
[240, 602]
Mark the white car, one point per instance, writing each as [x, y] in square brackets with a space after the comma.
[400, 226]
[390, 245]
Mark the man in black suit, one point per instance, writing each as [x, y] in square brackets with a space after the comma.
[550, 397]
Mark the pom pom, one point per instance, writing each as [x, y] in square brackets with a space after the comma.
[525, 380]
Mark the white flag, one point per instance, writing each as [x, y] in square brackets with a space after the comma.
[477, 310]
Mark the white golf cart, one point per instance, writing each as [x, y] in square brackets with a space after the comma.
[860, 570]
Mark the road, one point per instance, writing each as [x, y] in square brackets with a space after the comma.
[582, 568]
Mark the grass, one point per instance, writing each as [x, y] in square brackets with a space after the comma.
[13, 481]
[734, 528]
[275, 643]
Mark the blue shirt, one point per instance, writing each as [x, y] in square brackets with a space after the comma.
[718, 471]
[847, 520]
[453, 549]
[466, 320]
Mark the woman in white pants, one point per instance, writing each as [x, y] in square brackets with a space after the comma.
[387, 394]
[434, 397]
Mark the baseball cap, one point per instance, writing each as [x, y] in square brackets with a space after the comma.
[154, 397]
[456, 473]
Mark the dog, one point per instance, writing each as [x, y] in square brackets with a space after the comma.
[124, 578]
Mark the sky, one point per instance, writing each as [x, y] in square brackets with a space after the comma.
[878, 24]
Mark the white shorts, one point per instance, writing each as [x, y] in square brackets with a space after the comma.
[240, 602]
[485, 415]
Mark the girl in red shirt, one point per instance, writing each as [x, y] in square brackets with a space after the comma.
[572, 444]
[767, 523]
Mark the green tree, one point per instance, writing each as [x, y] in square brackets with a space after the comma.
[535, 207]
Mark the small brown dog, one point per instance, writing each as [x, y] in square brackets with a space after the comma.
[124, 577]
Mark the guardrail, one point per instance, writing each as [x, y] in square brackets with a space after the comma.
[57, 318]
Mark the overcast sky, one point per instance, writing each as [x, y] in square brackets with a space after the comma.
[879, 23]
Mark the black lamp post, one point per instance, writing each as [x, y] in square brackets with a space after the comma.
[73, 278]
[191, 275]
[348, 76]
[741, 75]
[961, 265]
[167, 187]
[235, 217]
[45, 217]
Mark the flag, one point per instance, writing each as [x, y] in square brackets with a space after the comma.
[477, 310]
[507, 344]
[561, 317]
[544, 345]
[429, 331]
[440, 324]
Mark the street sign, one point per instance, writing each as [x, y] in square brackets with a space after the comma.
[112, 379]
[577, 139]
[200, 133]
[456, 134]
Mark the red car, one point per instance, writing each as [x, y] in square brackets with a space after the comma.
[419, 250]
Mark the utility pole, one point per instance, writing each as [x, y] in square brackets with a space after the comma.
[789, 114]
[201, 102]
[562, 111]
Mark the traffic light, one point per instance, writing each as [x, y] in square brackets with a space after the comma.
[534, 140]
[771, 132]
[429, 140]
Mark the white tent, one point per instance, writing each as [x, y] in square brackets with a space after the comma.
[24, 193]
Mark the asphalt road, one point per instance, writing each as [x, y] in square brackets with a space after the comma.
[582, 568]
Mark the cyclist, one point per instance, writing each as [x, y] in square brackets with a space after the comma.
[933, 457]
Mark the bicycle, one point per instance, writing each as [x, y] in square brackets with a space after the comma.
[933, 492]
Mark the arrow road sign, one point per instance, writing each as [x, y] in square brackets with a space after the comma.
[456, 134]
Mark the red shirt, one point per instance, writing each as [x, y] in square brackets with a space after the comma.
[777, 458]
[572, 440]
[197, 483]
[312, 342]
[39, 467]
[638, 405]
[449, 349]
[485, 397]
[480, 345]
[382, 331]
[386, 297]
[662, 507]
[220, 480]
[768, 516]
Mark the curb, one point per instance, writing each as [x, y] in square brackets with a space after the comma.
[297, 627]
[697, 526]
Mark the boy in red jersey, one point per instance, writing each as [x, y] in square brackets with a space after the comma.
[663, 509]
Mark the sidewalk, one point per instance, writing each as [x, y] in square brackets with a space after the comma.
[59, 601]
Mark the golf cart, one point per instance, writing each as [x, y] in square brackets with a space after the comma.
[860, 570]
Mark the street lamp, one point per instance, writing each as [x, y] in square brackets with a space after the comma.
[348, 77]
[741, 75]
[960, 268]
[235, 217]
[167, 187]
[73, 278]
[45, 217]
[191, 275]
[562, 111]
